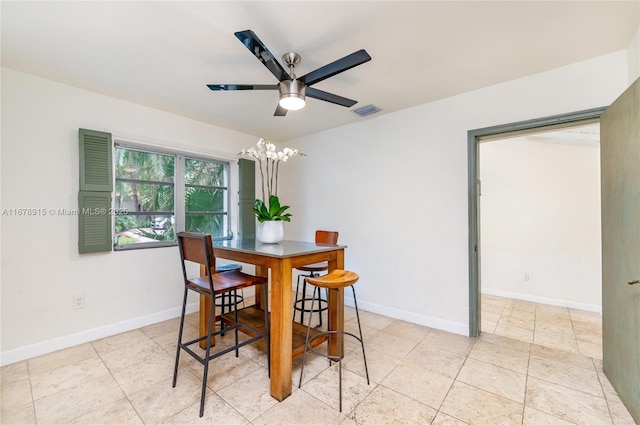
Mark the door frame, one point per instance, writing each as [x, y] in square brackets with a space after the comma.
[474, 138]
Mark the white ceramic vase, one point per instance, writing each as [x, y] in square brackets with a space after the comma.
[270, 231]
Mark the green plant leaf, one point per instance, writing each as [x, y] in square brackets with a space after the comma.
[275, 211]
[274, 206]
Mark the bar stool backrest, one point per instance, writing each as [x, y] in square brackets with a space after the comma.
[197, 248]
[326, 237]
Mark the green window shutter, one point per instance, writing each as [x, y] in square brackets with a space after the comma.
[96, 163]
[94, 198]
[94, 233]
[247, 196]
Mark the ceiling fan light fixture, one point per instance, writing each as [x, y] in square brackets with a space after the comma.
[292, 95]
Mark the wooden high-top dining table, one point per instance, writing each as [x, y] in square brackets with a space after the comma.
[287, 336]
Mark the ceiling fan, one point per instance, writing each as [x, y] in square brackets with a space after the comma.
[294, 89]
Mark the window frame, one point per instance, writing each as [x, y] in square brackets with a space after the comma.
[226, 199]
[179, 185]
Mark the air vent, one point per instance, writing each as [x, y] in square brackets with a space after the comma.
[363, 111]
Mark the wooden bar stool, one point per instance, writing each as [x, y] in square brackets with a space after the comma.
[333, 281]
[197, 248]
[323, 237]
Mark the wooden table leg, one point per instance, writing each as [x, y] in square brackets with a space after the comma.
[281, 330]
[335, 303]
[205, 305]
[264, 272]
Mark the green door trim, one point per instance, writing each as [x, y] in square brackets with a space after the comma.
[474, 138]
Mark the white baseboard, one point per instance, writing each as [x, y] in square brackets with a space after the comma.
[419, 319]
[45, 347]
[543, 300]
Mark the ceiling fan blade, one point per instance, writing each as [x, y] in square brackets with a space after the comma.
[231, 87]
[280, 111]
[329, 97]
[341, 65]
[260, 51]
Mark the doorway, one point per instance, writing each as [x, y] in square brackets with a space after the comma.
[540, 238]
[475, 137]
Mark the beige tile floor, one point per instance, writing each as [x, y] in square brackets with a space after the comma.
[566, 329]
[541, 365]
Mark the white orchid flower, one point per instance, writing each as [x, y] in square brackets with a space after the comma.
[268, 159]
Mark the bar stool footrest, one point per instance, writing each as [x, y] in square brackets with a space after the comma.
[324, 334]
[323, 305]
[239, 299]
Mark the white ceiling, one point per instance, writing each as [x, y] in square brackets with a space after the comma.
[162, 54]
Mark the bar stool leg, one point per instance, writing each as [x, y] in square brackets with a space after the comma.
[355, 303]
[319, 301]
[340, 335]
[235, 319]
[207, 355]
[295, 303]
[184, 308]
[304, 298]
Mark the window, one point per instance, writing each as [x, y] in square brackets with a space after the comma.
[159, 192]
[205, 197]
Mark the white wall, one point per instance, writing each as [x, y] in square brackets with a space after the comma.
[540, 217]
[395, 187]
[633, 54]
[41, 267]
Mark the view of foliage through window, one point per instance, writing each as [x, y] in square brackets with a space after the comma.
[150, 184]
[205, 197]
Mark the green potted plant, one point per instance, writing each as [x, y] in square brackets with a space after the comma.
[269, 212]
[275, 211]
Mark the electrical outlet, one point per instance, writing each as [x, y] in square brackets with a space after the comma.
[526, 277]
[78, 302]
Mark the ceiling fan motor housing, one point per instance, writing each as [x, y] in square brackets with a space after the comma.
[292, 88]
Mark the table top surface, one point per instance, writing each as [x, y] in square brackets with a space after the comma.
[282, 249]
